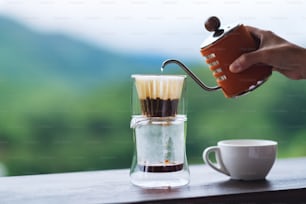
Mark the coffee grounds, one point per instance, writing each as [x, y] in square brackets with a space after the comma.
[159, 107]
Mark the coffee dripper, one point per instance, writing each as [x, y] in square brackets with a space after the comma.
[159, 130]
[220, 50]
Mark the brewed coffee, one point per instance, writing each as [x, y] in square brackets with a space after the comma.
[161, 168]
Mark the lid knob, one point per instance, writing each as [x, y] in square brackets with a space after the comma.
[212, 24]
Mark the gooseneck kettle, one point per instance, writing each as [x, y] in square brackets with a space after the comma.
[220, 49]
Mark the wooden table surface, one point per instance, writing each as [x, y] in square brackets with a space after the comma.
[286, 183]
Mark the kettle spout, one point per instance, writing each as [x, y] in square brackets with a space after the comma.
[190, 73]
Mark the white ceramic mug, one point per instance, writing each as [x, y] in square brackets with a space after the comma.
[243, 159]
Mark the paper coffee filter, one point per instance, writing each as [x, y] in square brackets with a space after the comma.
[159, 86]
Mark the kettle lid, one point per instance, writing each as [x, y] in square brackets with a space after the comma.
[213, 24]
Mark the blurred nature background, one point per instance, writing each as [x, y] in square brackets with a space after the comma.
[65, 84]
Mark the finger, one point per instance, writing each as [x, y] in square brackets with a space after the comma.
[245, 61]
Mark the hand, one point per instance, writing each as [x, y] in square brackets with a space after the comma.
[285, 57]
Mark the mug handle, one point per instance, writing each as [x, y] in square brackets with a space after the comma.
[219, 165]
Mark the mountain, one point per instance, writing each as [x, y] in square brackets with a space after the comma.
[32, 57]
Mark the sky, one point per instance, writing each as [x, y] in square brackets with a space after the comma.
[170, 28]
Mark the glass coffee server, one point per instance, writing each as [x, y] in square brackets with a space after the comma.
[159, 131]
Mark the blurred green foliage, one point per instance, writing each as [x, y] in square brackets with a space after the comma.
[59, 131]
[66, 107]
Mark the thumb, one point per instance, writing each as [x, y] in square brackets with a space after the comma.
[244, 62]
